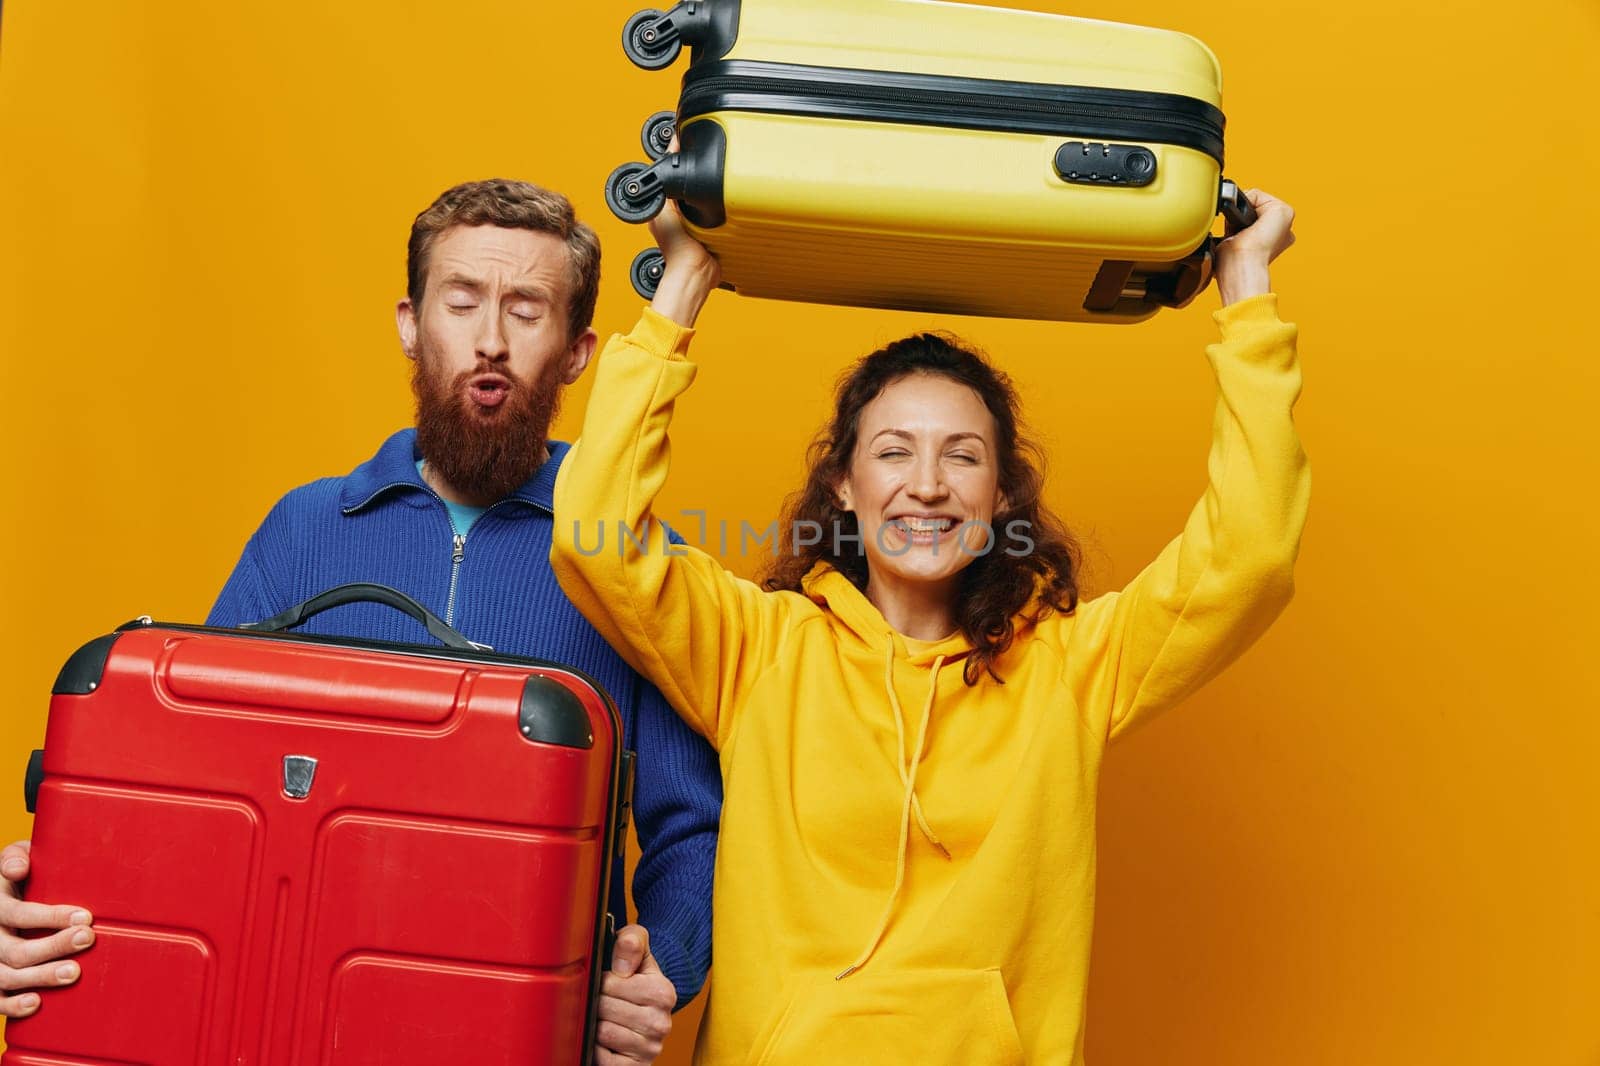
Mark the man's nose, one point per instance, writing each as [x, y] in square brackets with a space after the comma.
[491, 340]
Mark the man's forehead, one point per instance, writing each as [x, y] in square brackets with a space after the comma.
[481, 251]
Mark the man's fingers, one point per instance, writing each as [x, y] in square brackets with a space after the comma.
[626, 1042]
[14, 861]
[642, 989]
[649, 1019]
[21, 914]
[19, 1006]
[605, 1057]
[635, 1011]
[50, 975]
[17, 953]
[633, 943]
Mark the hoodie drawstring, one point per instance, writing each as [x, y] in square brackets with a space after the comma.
[908, 777]
[900, 741]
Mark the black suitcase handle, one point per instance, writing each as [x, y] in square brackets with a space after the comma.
[1237, 210]
[366, 592]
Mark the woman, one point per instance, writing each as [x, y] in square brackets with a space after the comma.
[911, 733]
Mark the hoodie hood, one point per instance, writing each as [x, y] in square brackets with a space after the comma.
[853, 612]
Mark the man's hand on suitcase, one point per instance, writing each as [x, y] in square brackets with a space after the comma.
[636, 1001]
[1242, 258]
[29, 964]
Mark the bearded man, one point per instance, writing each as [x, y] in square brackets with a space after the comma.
[501, 287]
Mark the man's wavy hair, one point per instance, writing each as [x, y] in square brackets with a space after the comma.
[998, 591]
[511, 205]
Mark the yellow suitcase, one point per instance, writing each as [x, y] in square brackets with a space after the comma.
[935, 156]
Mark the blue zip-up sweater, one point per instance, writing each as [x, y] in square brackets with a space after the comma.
[382, 523]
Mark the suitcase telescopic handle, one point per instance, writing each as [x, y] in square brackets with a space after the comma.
[365, 592]
[1237, 210]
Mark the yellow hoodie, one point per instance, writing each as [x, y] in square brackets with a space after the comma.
[906, 870]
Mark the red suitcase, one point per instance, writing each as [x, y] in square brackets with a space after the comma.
[310, 850]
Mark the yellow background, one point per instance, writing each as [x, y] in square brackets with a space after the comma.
[1373, 841]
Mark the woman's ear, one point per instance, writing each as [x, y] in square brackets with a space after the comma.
[842, 495]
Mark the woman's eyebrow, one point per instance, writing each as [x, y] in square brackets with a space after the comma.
[964, 435]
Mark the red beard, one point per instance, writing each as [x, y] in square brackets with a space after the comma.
[483, 453]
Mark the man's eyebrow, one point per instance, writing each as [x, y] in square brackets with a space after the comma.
[529, 292]
[461, 281]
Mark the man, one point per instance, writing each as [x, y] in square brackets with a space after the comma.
[501, 288]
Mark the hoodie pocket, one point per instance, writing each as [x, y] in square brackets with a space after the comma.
[930, 1017]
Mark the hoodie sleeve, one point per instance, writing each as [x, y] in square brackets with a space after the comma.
[697, 632]
[1217, 587]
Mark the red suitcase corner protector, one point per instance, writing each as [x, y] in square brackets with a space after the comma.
[303, 849]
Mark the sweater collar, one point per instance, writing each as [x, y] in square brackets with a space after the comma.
[393, 472]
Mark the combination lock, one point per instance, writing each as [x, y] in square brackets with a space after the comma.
[1093, 163]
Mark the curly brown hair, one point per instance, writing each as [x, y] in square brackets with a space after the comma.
[998, 589]
[511, 205]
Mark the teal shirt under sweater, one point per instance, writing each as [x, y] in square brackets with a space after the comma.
[462, 515]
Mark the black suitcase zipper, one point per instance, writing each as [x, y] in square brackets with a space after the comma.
[963, 103]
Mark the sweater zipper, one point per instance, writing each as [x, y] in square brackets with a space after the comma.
[458, 551]
[943, 100]
[458, 541]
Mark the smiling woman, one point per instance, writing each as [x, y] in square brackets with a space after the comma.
[925, 466]
[917, 884]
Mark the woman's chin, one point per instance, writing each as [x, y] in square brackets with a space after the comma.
[922, 566]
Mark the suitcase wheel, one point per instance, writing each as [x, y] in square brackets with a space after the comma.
[648, 266]
[657, 134]
[634, 193]
[646, 45]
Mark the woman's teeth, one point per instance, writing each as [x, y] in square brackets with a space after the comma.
[923, 525]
